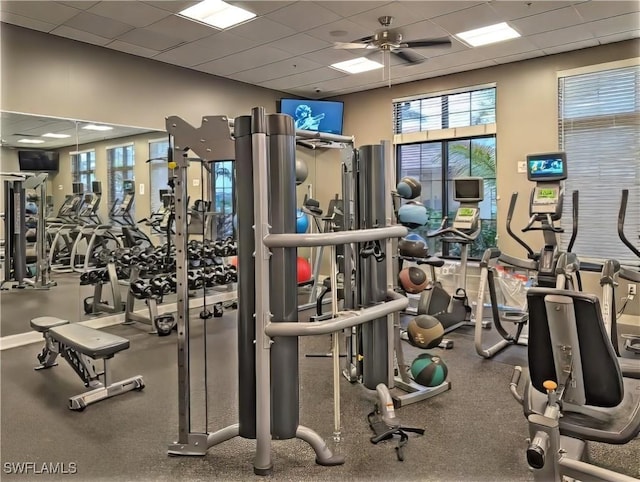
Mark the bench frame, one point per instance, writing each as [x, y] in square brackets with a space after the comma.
[85, 368]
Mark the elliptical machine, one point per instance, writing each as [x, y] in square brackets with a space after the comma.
[453, 311]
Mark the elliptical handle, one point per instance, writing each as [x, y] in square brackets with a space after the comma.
[621, 215]
[512, 207]
[574, 219]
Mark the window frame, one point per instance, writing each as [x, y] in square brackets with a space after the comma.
[77, 173]
[125, 168]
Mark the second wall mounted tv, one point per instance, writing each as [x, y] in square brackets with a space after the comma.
[314, 115]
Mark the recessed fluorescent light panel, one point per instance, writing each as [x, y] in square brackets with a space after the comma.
[56, 136]
[356, 66]
[95, 127]
[488, 35]
[31, 141]
[217, 14]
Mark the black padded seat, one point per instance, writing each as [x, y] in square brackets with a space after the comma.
[611, 413]
[431, 261]
[45, 323]
[91, 342]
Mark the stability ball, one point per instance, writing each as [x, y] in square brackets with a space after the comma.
[413, 246]
[429, 370]
[425, 331]
[302, 222]
[302, 172]
[304, 270]
[409, 188]
[413, 280]
[413, 215]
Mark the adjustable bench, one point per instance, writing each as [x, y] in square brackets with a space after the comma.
[81, 346]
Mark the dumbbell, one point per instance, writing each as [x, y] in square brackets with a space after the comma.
[209, 277]
[160, 285]
[232, 273]
[140, 289]
[195, 280]
[220, 275]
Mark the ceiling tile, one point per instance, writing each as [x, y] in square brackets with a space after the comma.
[431, 9]
[363, 79]
[262, 30]
[95, 24]
[517, 57]
[598, 10]
[80, 4]
[509, 10]
[149, 39]
[132, 49]
[276, 70]
[423, 30]
[348, 8]
[561, 36]
[254, 57]
[182, 28]
[260, 7]
[299, 44]
[569, 47]
[402, 15]
[174, 6]
[313, 77]
[26, 22]
[206, 49]
[508, 47]
[303, 16]
[72, 33]
[619, 37]
[545, 22]
[456, 59]
[468, 19]
[613, 25]
[50, 12]
[137, 14]
[328, 32]
[331, 56]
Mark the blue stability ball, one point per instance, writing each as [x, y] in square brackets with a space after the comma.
[409, 188]
[413, 215]
[302, 222]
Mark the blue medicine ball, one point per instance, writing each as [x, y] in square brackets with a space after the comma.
[302, 222]
[413, 215]
[31, 208]
[409, 188]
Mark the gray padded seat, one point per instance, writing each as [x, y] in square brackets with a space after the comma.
[44, 323]
[90, 342]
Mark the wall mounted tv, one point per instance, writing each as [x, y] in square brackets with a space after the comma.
[39, 160]
[314, 115]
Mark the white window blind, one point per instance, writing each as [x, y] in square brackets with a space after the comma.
[158, 171]
[120, 161]
[599, 129]
[83, 168]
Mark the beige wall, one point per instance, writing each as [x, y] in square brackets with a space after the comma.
[526, 116]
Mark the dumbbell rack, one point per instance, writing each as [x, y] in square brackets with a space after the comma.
[163, 324]
[97, 305]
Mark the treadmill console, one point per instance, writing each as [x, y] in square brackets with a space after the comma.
[466, 218]
[545, 198]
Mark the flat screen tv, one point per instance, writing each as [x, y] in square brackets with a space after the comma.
[39, 160]
[547, 167]
[314, 115]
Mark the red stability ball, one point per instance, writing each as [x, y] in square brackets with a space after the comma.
[304, 270]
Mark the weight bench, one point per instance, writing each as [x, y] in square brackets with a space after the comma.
[81, 346]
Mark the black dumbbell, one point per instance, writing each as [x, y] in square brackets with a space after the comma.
[140, 289]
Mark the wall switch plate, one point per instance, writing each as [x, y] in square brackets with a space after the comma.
[522, 167]
[631, 289]
[60, 187]
[141, 189]
[196, 182]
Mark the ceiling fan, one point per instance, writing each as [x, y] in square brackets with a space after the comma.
[391, 40]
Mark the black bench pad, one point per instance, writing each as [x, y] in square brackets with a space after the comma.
[45, 323]
[91, 342]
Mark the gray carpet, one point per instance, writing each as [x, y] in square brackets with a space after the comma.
[475, 431]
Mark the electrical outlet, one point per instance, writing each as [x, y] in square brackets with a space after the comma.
[631, 289]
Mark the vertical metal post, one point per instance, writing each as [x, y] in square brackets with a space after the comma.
[181, 240]
[283, 298]
[262, 464]
[391, 249]
[19, 247]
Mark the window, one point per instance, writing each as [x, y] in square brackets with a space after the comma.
[120, 161]
[224, 176]
[158, 171]
[599, 115]
[83, 167]
[467, 148]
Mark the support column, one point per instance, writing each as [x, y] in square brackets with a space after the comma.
[283, 294]
[246, 278]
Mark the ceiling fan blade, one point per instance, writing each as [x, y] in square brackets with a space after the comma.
[408, 56]
[366, 39]
[351, 45]
[436, 42]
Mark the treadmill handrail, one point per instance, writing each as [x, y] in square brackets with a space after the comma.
[446, 232]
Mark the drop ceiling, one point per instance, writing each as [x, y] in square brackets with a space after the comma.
[289, 45]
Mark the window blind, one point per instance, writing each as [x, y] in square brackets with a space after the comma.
[158, 172]
[599, 129]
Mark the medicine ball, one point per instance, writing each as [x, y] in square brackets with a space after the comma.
[429, 370]
[302, 172]
[411, 247]
[302, 222]
[413, 215]
[409, 188]
[425, 331]
[413, 280]
[31, 208]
